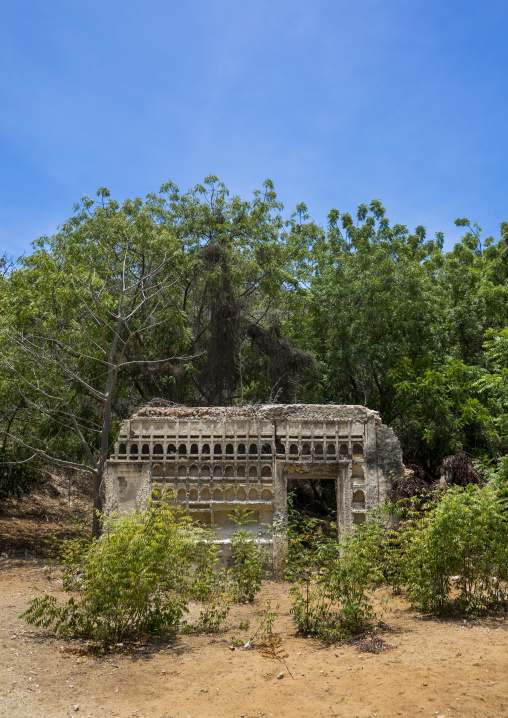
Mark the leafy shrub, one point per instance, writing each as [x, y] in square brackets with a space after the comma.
[497, 477]
[216, 607]
[135, 579]
[331, 599]
[456, 556]
[249, 559]
[212, 588]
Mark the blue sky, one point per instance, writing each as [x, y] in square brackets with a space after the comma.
[338, 102]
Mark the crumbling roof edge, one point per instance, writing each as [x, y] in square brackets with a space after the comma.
[271, 412]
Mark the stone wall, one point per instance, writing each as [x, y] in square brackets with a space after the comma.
[216, 459]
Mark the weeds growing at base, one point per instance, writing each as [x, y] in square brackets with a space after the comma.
[451, 556]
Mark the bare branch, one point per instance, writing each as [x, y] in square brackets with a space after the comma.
[158, 361]
[52, 459]
[21, 461]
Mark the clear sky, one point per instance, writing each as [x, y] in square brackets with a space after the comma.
[337, 101]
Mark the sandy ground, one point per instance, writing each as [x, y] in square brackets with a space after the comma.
[437, 668]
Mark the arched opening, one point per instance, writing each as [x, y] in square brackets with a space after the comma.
[230, 449]
[145, 451]
[217, 450]
[306, 450]
[357, 450]
[205, 494]
[266, 495]
[229, 471]
[182, 471]
[253, 495]
[230, 494]
[330, 449]
[217, 495]
[217, 471]
[122, 449]
[205, 449]
[358, 499]
[241, 448]
[171, 450]
[205, 471]
[241, 495]
[194, 449]
[358, 471]
[158, 450]
[253, 472]
[253, 449]
[240, 471]
[266, 449]
[318, 450]
[293, 450]
[182, 450]
[194, 471]
[344, 450]
[193, 495]
[157, 470]
[280, 448]
[266, 471]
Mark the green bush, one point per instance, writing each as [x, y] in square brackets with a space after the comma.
[451, 557]
[136, 578]
[497, 476]
[455, 557]
[249, 560]
[211, 588]
[332, 597]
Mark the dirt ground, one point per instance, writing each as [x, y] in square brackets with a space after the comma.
[434, 668]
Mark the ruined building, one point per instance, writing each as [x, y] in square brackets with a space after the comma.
[217, 459]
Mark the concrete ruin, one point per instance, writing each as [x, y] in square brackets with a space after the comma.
[219, 458]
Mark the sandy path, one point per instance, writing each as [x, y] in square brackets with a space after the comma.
[439, 668]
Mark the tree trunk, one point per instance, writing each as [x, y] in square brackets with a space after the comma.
[97, 505]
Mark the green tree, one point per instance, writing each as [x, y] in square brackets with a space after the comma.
[69, 316]
[373, 298]
[240, 260]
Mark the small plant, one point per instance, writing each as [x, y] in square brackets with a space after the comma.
[216, 604]
[249, 559]
[331, 598]
[265, 624]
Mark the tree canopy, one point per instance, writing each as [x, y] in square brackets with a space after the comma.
[203, 298]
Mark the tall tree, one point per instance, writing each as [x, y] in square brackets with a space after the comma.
[69, 316]
[373, 299]
[240, 260]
